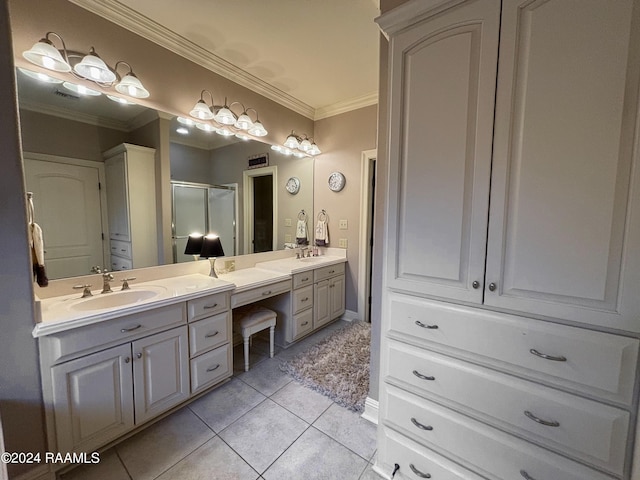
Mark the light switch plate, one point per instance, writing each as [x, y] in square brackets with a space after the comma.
[342, 243]
[287, 222]
[343, 225]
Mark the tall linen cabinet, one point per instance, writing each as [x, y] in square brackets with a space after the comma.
[511, 295]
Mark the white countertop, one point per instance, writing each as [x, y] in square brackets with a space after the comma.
[71, 311]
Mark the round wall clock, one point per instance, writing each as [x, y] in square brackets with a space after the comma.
[293, 185]
[336, 181]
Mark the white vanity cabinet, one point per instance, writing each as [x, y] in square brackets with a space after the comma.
[328, 294]
[131, 194]
[512, 239]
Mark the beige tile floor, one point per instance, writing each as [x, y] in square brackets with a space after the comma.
[259, 425]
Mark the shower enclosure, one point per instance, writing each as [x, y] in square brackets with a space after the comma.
[202, 208]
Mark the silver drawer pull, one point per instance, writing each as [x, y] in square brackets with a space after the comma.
[559, 358]
[209, 335]
[423, 377]
[421, 426]
[305, 299]
[305, 323]
[418, 472]
[207, 307]
[332, 271]
[125, 330]
[548, 423]
[268, 292]
[305, 279]
[526, 475]
[211, 369]
[420, 324]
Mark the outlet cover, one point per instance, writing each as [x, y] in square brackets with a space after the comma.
[342, 243]
[230, 265]
[343, 225]
[287, 222]
[287, 238]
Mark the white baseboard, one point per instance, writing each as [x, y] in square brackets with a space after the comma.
[350, 316]
[370, 410]
[41, 472]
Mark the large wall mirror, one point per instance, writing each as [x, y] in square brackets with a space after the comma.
[64, 135]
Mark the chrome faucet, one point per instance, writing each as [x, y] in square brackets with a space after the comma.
[106, 278]
[301, 253]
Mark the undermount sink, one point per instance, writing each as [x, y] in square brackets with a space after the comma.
[311, 259]
[116, 299]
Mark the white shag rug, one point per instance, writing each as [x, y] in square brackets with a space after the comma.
[338, 366]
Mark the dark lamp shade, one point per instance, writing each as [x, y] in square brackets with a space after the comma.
[194, 244]
[211, 247]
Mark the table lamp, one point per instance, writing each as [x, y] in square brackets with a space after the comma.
[194, 245]
[211, 248]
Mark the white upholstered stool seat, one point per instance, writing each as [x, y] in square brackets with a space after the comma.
[250, 320]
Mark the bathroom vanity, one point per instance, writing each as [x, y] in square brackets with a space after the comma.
[112, 363]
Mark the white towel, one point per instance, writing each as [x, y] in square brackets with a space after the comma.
[301, 233]
[36, 243]
[322, 233]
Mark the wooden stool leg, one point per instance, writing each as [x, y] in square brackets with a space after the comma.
[271, 330]
[246, 354]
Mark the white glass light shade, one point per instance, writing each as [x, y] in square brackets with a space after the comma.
[186, 121]
[257, 129]
[93, 68]
[201, 110]
[81, 89]
[314, 150]
[299, 154]
[305, 145]
[121, 100]
[291, 142]
[225, 116]
[205, 127]
[43, 77]
[46, 55]
[243, 136]
[225, 132]
[243, 122]
[182, 131]
[130, 85]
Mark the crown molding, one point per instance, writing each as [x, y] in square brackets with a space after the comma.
[346, 106]
[74, 115]
[133, 21]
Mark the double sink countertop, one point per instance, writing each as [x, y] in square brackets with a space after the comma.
[62, 313]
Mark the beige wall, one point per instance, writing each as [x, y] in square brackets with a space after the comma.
[342, 139]
[20, 397]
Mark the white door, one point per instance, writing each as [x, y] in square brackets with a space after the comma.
[160, 372]
[441, 126]
[561, 224]
[67, 207]
[93, 399]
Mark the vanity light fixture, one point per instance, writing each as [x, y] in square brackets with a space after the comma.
[230, 122]
[182, 131]
[81, 89]
[88, 66]
[43, 77]
[299, 145]
[121, 100]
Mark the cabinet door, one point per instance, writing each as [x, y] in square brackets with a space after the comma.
[336, 296]
[160, 372]
[562, 225]
[93, 399]
[321, 310]
[442, 92]
[117, 198]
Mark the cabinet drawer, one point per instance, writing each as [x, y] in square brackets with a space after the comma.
[477, 445]
[209, 333]
[302, 323]
[72, 342]
[302, 279]
[207, 306]
[596, 363]
[210, 368]
[587, 430]
[394, 448]
[121, 249]
[302, 299]
[326, 272]
[257, 294]
[118, 264]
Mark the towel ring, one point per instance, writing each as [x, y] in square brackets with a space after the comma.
[302, 215]
[322, 216]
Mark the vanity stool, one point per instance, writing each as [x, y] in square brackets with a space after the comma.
[253, 319]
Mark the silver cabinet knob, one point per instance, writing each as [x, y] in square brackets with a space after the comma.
[127, 359]
[475, 284]
[139, 355]
[492, 287]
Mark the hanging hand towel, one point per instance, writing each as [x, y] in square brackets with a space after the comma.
[322, 233]
[37, 254]
[301, 233]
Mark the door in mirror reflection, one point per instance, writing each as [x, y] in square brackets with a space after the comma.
[263, 214]
[67, 207]
[202, 209]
